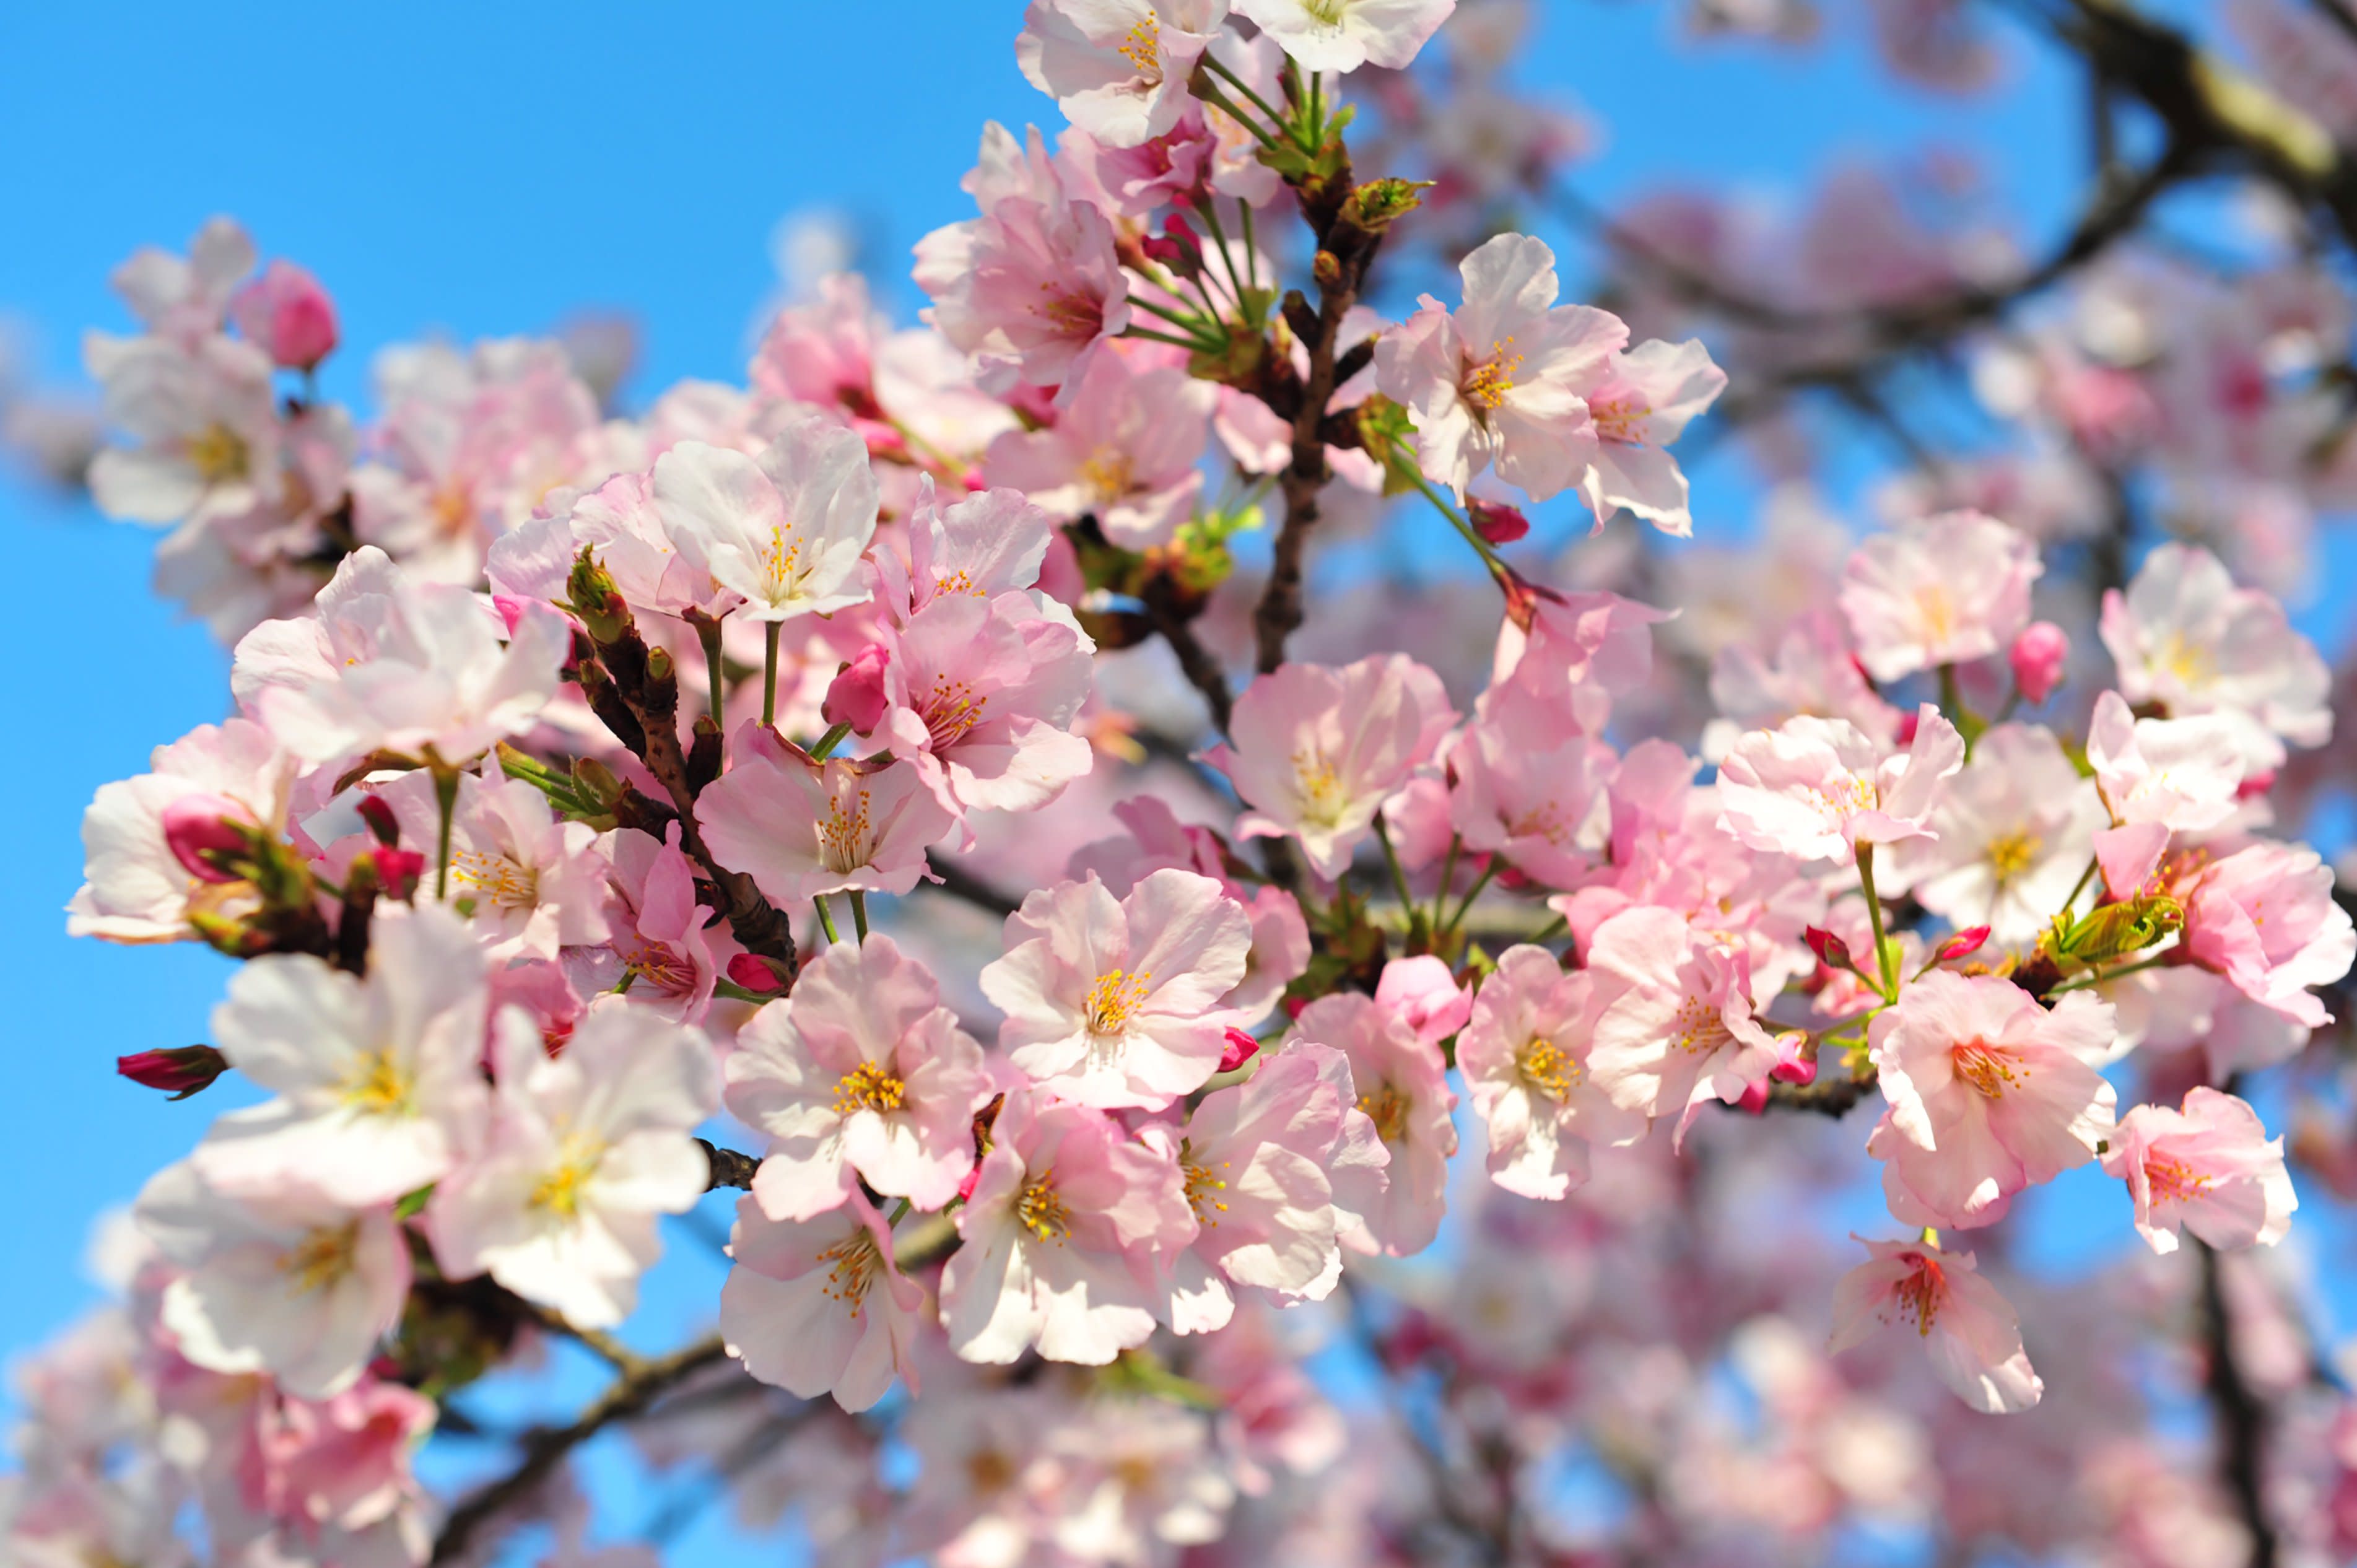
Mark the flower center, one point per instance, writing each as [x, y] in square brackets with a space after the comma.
[322, 1258]
[218, 454]
[1043, 1213]
[2010, 855]
[1852, 794]
[781, 572]
[558, 1191]
[1988, 1068]
[1327, 13]
[2173, 1181]
[377, 1086]
[1938, 613]
[951, 710]
[1921, 1294]
[1540, 824]
[1698, 1027]
[1109, 474]
[1547, 1068]
[845, 838]
[1201, 1189]
[2186, 659]
[1116, 995]
[1143, 47]
[1387, 1108]
[506, 883]
[1486, 384]
[854, 1263]
[1323, 798]
[1070, 314]
[1618, 417]
[661, 967]
[867, 1088]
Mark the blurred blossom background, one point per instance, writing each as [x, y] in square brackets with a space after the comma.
[652, 183]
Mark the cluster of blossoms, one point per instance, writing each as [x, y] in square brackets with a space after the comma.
[570, 750]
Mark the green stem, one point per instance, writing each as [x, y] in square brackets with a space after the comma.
[1317, 136]
[1399, 874]
[1257, 101]
[1252, 255]
[1471, 893]
[826, 920]
[1431, 492]
[1210, 208]
[1192, 345]
[828, 742]
[860, 913]
[2081, 885]
[445, 797]
[1551, 931]
[1447, 878]
[1882, 953]
[1186, 318]
[769, 671]
[2086, 981]
[707, 631]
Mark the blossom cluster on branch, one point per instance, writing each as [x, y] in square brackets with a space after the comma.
[837, 791]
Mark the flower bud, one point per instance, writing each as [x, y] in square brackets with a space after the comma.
[2038, 657]
[1796, 1059]
[1176, 248]
[1964, 944]
[1831, 951]
[1754, 1100]
[857, 697]
[754, 974]
[1241, 1049]
[182, 1072]
[398, 871]
[1496, 521]
[286, 314]
[204, 831]
[382, 824]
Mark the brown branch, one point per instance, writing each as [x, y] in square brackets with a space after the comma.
[2240, 1414]
[1833, 1097]
[1171, 617]
[729, 1168]
[956, 882]
[547, 1448]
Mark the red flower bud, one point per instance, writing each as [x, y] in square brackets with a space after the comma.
[1496, 521]
[1755, 1097]
[203, 830]
[857, 697]
[382, 824]
[288, 315]
[1831, 951]
[2038, 657]
[1242, 1048]
[398, 871]
[183, 1071]
[1796, 1059]
[1964, 944]
[754, 974]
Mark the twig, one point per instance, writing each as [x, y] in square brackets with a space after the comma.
[2240, 1414]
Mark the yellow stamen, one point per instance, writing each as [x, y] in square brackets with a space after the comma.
[1546, 1067]
[1043, 1213]
[867, 1088]
[1116, 995]
[322, 1258]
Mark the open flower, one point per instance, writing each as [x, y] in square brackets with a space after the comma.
[786, 531]
[1989, 1094]
[206, 425]
[1117, 69]
[1946, 590]
[1117, 1003]
[1971, 1332]
[817, 1306]
[587, 1151]
[1525, 1056]
[1066, 1218]
[1317, 750]
[2009, 840]
[2209, 1168]
[1673, 1024]
[1816, 788]
[800, 827]
[532, 883]
[376, 1082]
[859, 1075]
[2266, 919]
[1402, 1084]
[1126, 452]
[1343, 34]
[2181, 775]
[1643, 401]
[983, 693]
[279, 1279]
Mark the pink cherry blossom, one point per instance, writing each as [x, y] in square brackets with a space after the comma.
[205, 423]
[2209, 1168]
[817, 1306]
[1117, 1003]
[1816, 788]
[661, 947]
[2266, 919]
[287, 315]
[280, 1280]
[1525, 1059]
[1989, 1094]
[983, 693]
[1402, 1086]
[1642, 401]
[331, 1480]
[860, 1075]
[2182, 774]
[1343, 34]
[1535, 799]
[137, 889]
[1065, 1222]
[2184, 636]
[802, 828]
[624, 532]
[1426, 995]
[386, 663]
[1316, 751]
[1813, 670]
[786, 531]
[535, 883]
[2040, 657]
[1125, 452]
[2009, 838]
[1579, 655]
[1672, 1022]
[1946, 590]
[377, 1082]
[187, 298]
[1971, 1333]
[587, 1151]
[1118, 69]
[1501, 380]
[980, 546]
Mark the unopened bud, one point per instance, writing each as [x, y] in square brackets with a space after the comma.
[754, 974]
[286, 314]
[182, 1072]
[1964, 944]
[205, 832]
[1175, 247]
[1241, 1049]
[857, 697]
[1796, 1059]
[1496, 521]
[1831, 951]
[382, 824]
[2038, 657]
[398, 871]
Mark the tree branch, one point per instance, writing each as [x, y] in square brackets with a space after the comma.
[2239, 1413]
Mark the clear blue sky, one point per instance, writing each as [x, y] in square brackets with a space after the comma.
[484, 169]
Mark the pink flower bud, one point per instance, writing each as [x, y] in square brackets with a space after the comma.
[2038, 657]
[1496, 521]
[2255, 784]
[1755, 1099]
[288, 315]
[182, 1072]
[1964, 944]
[398, 871]
[754, 974]
[1830, 949]
[1426, 995]
[1796, 1059]
[382, 824]
[202, 830]
[1908, 724]
[857, 697]
[1242, 1048]
[1177, 247]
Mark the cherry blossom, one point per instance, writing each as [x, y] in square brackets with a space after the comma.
[816, 1305]
[1525, 1056]
[1969, 1332]
[1125, 452]
[2180, 775]
[2209, 1168]
[804, 828]
[529, 883]
[1343, 34]
[981, 696]
[2265, 918]
[1819, 789]
[1117, 68]
[785, 533]
[860, 1075]
[1673, 1021]
[1947, 590]
[2010, 837]
[1402, 1086]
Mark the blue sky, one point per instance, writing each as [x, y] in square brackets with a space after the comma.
[485, 169]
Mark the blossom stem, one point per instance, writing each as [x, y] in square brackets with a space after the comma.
[1147, 332]
[1883, 953]
[2086, 980]
[828, 742]
[446, 799]
[708, 632]
[826, 920]
[1251, 258]
[1399, 876]
[2081, 885]
[860, 913]
[1210, 208]
[1448, 876]
[1489, 557]
[769, 671]
[1471, 893]
[1257, 101]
